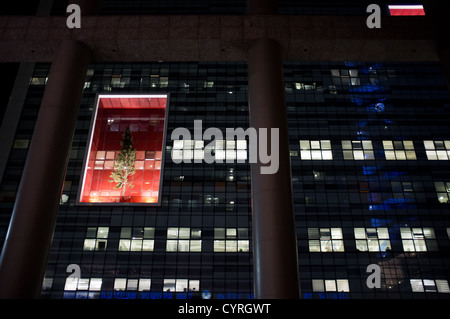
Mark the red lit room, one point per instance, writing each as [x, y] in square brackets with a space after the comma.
[145, 119]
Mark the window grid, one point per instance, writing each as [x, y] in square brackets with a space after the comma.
[418, 239]
[399, 150]
[96, 238]
[330, 285]
[357, 150]
[315, 150]
[231, 240]
[183, 239]
[437, 150]
[372, 239]
[325, 240]
[137, 239]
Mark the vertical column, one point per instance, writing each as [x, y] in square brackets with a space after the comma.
[28, 241]
[275, 256]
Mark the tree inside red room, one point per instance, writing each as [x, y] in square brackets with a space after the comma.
[124, 165]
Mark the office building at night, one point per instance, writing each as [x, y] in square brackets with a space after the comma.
[360, 157]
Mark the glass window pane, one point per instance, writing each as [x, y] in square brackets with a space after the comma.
[172, 245]
[71, 284]
[102, 232]
[144, 284]
[148, 245]
[330, 285]
[416, 285]
[96, 284]
[83, 284]
[314, 246]
[196, 246]
[125, 232]
[342, 285]
[172, 232]
[318, 285]
[136, 245]
[219, 233]
[429, 145]
[89, 244]
[181, 285]
[194, 285]
[243, 246]
[124, 245]
[169, 285]
[219, 246]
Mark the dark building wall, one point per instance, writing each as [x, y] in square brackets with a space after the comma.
[327, 101]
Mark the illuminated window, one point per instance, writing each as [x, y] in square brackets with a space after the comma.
[345, 77]
[325, 240]
[443, 191]
[399, 150]
[137, 239]
[437, 150]
[183, 239]
[21, 144]
[181, 285]
[231, 150]
[430, 285]
[224, 150]
[338, 285]
[144, 116]
[231, 240]
[38, 81]
[418, 239]
[315, 150]
[372, 239]
[121, 284]
[76, 284]
[96, 238]
[406, 10]
[357, 150]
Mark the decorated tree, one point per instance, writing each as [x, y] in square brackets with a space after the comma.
[124, 164]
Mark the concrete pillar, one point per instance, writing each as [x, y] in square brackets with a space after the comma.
[24, 257]
[275, 255]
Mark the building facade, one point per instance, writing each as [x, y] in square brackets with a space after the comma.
[369, 148]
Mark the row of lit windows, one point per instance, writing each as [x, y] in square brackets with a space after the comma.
[185, 285]
[232, 150]
[184, 239]
[363, 150]
[417, 285]
[179, 239]
[121, 284]
[229, 150]
[144, 160]
[372, 239]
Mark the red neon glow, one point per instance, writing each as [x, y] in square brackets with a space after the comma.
[145, 116]
[406, 10]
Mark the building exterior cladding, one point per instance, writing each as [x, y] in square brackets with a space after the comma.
[369, 146]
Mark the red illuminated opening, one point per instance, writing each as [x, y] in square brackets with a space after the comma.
[406, 10]
[145, 116]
